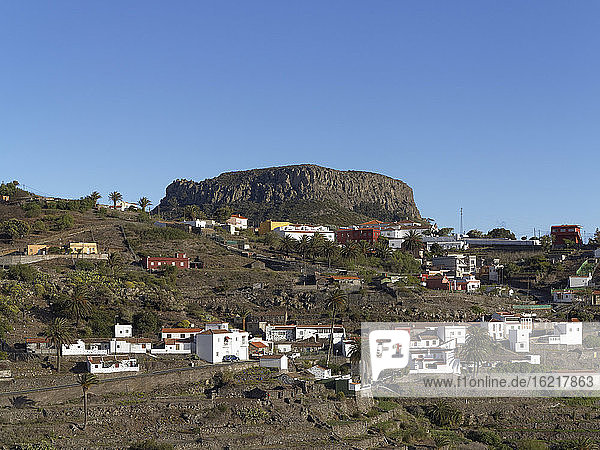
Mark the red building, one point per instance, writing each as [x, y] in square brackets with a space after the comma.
[180, 261]
[358, 234]
[561, 233]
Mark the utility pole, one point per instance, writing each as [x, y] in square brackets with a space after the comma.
[461, 222]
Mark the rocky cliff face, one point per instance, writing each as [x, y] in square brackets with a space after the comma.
[298, 193]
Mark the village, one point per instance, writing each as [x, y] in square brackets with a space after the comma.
[316, 345]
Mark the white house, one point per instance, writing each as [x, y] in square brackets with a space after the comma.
[456, 333]
[567, 295]
[445, 242]
[297, 231]
[201, 223]
[238, 222]
[179, 333]
[569, 333]
[123, 330]
[130, 345]
[122, 205]
[279, 362]
[174, 346]
[213, 345]
[320, 372]
[276, 333]
[83, 347]
[112, 364]
[459, 264]
[579, 282]
[518, 340]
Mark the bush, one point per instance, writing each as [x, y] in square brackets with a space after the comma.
[22, 272]
[146, 322]
[532, 444]
[151, 445]
[64, 222]
[487, 437]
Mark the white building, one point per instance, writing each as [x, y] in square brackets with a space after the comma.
[456, 333]
[579, 282]
[112, 364]
[276, 333]
[238, 222]
[518, 340]
[179, 333]
[213, 345]
[459, 264]
[429, 353]
[569, 333]
[445, 242]
[320, 372]
[123, 330]
[397, 233]
[174, 346]
[130, 345]
[122, 205]
[503, 322]
[201, 223]
[279, 362]
[297, 231]
[83, 347]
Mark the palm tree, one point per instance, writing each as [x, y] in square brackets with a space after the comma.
[78, 304]
[349, 250]
[114, 262]
[21, 402]
[364, 247]
[355, 356]
[115, 197]
[477, 346]
[95, 196]
[315, 245]
[382, 251]
[336, 300]
[287, 244]
[328, 250]
[86, 381]
[244, 313]
[190, 212]
[443, 414]
[302, 246]
[144, 202]
[412, 242]
[59, 333]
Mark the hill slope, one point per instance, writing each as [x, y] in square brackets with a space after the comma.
[299, 193]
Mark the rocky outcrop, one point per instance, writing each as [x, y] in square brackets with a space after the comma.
[301, 192]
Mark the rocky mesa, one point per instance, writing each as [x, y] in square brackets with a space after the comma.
[298, 193]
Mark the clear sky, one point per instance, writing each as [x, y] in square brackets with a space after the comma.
[486, 105]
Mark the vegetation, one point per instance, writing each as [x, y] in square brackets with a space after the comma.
[86, 381]
[59, 333]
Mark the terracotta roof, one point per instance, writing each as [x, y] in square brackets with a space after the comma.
[215, 332]
[258, 345]
[34, 340]
[182, 330]
[237, 216]
[272, 357]
[341, 277]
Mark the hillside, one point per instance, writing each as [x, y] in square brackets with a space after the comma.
[301, 193]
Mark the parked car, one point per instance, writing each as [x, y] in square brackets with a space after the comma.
[230, 358]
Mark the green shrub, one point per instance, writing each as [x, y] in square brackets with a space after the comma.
[22, 272]
[532, 444]
[484, 436]
[151, 445]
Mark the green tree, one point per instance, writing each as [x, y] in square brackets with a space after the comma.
[349, 251]
[287, 244]
[336, 300]
[443, 414]
[303, 246]
[146, 322]
[501, 233]
[78, 304]
[329, 249]
[86, 381]
[59, 333]
[445, 231]
[382, 250]
[144, 202]
[477, 346]
[95, 196]
[15, 228]
[115, 197]
[223, 213]
[365, 247]
[412, 242]
[475, 233]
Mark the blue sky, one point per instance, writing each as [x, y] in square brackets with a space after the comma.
[488, 106]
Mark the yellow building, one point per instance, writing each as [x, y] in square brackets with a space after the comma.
[84, 248]
[269, 225]
[36, 249]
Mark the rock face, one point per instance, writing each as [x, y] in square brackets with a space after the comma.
[298, 193]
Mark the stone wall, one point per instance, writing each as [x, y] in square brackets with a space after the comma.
[144, 382]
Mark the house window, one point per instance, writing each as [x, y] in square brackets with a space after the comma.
[182, 335]
[169, 336]
[181, 264]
